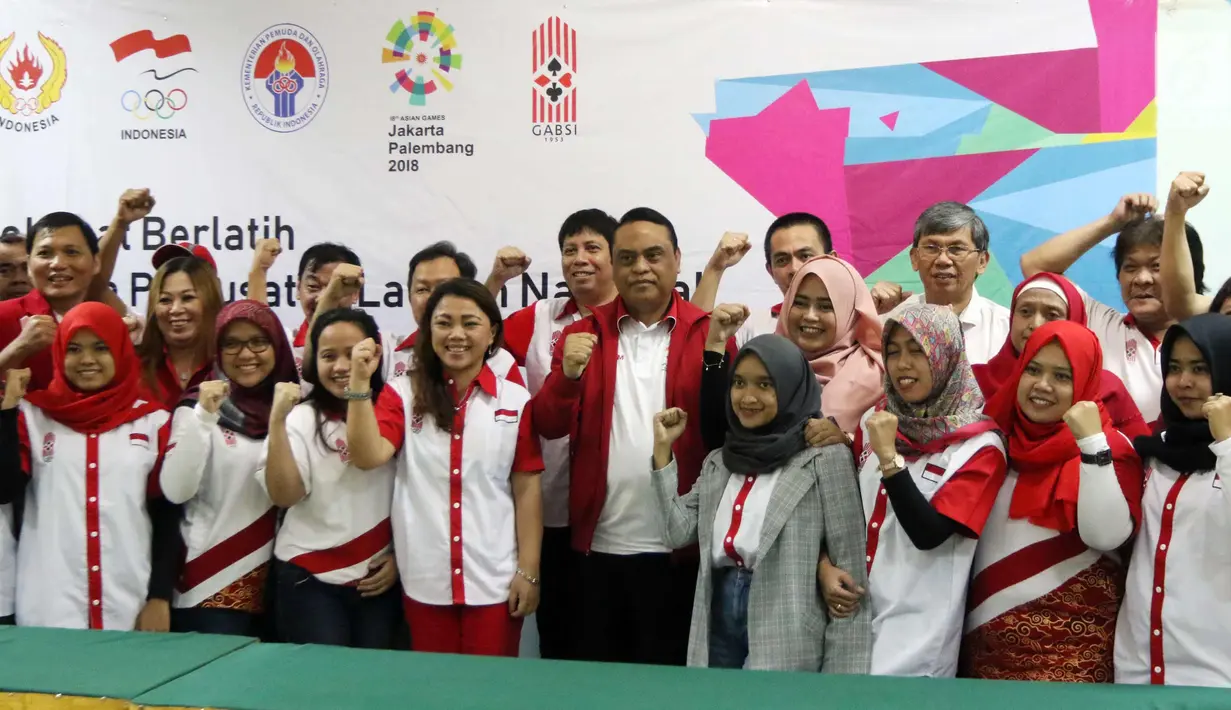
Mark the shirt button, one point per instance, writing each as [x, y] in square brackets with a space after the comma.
[1162, 546]
[457, 505]
[93, 465]
[1157, 632]
[93, 436]
[455, 472]
[737, 507]
[94, 568]
[95, 602]
[93, 499]
[1158, 590]
[456, 437]
[457, 571]
[94, 534]
[450, 381]
[750, 479]
[868, 558]
[875, 525]
[1158, 669]
[1168, 506]
[883, 491]
[739, 564]
[457, 538]
[728, 539]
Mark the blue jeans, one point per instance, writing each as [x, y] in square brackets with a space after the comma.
[729, 617]
[311, 611]
[230, 622]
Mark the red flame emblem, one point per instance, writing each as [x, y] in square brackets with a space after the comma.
[26, 71]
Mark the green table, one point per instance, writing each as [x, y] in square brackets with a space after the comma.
[278, 677]
[102, 664]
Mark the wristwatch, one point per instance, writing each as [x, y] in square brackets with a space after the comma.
[897, 463]
[1102, 458]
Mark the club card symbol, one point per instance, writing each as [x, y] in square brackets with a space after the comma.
[399, 369]
[228, 437]
[285, 78]
[416, 422]
[49, 447]
[429, 50]
[147, 101]
[554, 66]
[37, 81]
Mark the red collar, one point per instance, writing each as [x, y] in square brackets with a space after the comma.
[1131, 322]
[35, 304]
[672, 313]
[570, 308]
[775, 310]
[486, 380]
[301, 335]
[408, 343]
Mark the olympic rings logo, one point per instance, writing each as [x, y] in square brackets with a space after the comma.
[154, 103]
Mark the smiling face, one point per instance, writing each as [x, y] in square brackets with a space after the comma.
[585, 259]
[1033, 308]
[428, 275]
[1139, 284]
[907, 366]
[1045, 391]
[948, 265]
[88, 363]
[333, 355]
[247, 353]
[1188, 378]
[461, 335]
[753, 395]
[179, 311]
[789, 248]
[810, 321]
[62, 265]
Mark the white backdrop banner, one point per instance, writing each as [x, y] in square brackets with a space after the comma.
[388, 126]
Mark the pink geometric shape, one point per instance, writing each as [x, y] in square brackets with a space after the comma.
[1095, 90]
[789, 157]
[890, 119]
[1057, 90]
[886, 198]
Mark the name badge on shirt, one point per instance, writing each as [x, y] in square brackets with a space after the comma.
[141, 440]
[506, 416]
[933, 473]
[1217, 482]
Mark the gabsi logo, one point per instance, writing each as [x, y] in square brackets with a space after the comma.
[37, 82]
[285, 78]
[554, 94]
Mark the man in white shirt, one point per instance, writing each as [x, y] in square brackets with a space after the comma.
[950, 251]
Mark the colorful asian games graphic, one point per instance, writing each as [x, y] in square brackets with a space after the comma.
[427, 48]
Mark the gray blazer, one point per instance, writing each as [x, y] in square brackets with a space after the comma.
[815, 506]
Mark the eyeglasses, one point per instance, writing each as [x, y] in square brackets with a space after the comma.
[256, 346]
[956, 252]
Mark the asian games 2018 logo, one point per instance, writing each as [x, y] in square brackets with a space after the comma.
[429, 49]
[37, 83]
[285, 78]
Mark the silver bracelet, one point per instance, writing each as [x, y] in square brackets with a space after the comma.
[355, 396]
[528, 578]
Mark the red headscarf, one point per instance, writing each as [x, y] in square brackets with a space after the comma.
[1045, 456]
[122, 400]
[246, 409]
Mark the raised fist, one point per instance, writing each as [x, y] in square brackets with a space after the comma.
[1084, 420]
[1187, 191]
[669, 425]
[1217, 411]
[725, 320]
[15, 387]
[887, 296]
[286, 396]
[212, 393]
[577, 350]
[37, 333]
[266, 253]
[365, 360]
[882, 429]
[510, 263]
[134, 205]
[1133, 207]
[731, 249]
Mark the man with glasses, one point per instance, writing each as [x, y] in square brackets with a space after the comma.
[14, 275]
[950, 251]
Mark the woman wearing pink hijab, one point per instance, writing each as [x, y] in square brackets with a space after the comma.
[829, 314]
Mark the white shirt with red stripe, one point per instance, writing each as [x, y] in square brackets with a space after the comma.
[342, 523]
[1130, 354]
[530, 335]
[1174, 624]
[84, 557]
[739, 519]
[454, 529]
[985, 325]
[918, 597]
[762, 321]
[401, 360]
[298, 338]
[630, 522]
[8, 561]
[229, 521]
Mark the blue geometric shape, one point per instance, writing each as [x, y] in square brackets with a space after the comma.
[918, 115]
[1094, 272]
[906, 79]
[1050, 165]
[738, 100]
[1064, 204]
[941, 142]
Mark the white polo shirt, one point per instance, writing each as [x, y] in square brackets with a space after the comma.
[761, 321]
[229, 521]
[84, 558]
[1132, 355]
[342, 522]
[401, 360]
[985, 325]
[918, 596]
[454, 524]
[530, 335]
[1176, 615]
[630, 522]
[740, 518]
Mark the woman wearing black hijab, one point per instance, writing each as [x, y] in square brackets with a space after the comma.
[1173, 625]
[764, 507]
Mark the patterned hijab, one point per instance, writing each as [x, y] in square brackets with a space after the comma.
[953, 412]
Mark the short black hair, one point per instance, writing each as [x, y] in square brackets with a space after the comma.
[441, 250]
[1148, 232]
[60, 220]
[796, 219]
[591, 220]
[645, 214]
[1221, 297]
[12, 236]
[323, 253]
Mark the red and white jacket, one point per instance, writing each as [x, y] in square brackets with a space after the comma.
[229, 521]
[454, 526]
[84, 558]
[342, 523]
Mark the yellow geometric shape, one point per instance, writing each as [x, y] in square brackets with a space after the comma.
[1144, 126]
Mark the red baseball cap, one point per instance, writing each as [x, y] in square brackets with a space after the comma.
[167, 252]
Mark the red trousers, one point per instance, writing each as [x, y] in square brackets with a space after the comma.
[471, 630]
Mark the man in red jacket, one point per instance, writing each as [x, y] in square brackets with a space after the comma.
[610, 374]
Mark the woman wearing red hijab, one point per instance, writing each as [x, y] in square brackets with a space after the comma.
[88, 449]
[1048, 572]
[1044, 298]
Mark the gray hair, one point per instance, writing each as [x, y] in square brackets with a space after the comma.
[947, 218]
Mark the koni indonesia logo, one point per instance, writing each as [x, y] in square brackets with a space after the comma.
[285, 78]
[152, 95]
[553, 98]
[428, 49]
[38, 79]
